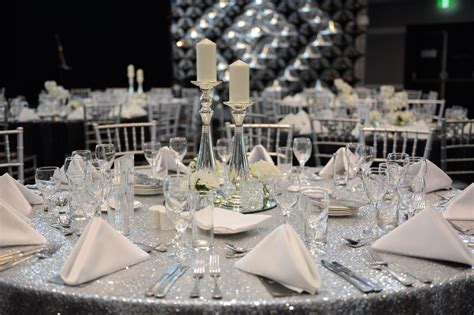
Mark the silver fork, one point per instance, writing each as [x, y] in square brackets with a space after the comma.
[380, 264]
[215, 271]
[198, 273]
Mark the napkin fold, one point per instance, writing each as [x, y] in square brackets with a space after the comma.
[259, 153]
[328, 169]
[167, 161]
[227, 221]
[27, 114]
[435, 178]
[31, 197]
[60, 175]
[101, 250]
[11, 194]
[426, 235]
[283, 257]
[462, 207]
[77, 114]
[133, 111]
[15, 228]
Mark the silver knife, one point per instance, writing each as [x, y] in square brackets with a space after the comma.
[162, 291]
[376, 287]
[364, 287]
[161, 282]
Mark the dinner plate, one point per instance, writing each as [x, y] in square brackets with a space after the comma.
[136, 204]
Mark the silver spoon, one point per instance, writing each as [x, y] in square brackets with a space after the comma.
[237, 249]
[358, 242]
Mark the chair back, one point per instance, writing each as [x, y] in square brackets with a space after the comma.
[12, 161]
[270, 136]
[429, 107]
[81, 93]
[414, 94]
[166, 114]
[457, 147]
[396, 140]
[165, 92]
[99, 113]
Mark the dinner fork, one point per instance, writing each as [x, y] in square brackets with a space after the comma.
[215, 271]
[198, 273]
[380, 264]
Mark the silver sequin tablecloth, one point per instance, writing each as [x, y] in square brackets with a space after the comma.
[25, 289]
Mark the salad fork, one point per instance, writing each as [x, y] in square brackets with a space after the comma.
[198, 271]
[215, 271]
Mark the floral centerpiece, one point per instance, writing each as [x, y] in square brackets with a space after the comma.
[205, 180]
[345, 95]
[264, 172]
[400, 117]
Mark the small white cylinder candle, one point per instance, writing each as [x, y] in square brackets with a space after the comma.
[140, 76]
[130, 71]
[239, 88]
[206, 60]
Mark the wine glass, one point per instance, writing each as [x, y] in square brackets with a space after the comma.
[105, 154]
[375, 182]
[151, 151]
[95, 188]
[224, 149]
[412, 191]
[400, 160]
[47, 184]
[366, 155]
[302, 148]
[75, 172]
[286, 191]
[179, 146]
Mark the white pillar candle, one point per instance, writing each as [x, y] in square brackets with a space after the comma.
[130, 71]
[206, 60]
[140, 76]
[239, 82]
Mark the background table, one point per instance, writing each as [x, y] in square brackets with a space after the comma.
[25, 289]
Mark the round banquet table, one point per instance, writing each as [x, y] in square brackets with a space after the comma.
[25, 289]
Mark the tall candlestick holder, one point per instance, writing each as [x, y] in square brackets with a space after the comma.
[130, 85]
[206, 157]
[140, 87]
[238, 164]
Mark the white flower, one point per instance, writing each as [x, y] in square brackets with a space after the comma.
[374, 117]
[400, 118]
[386, 91]
[342, 86]
[204, 180]
[264, 170]
[50, 86]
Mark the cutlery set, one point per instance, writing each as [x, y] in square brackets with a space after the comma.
[236, 251]
[12, 259]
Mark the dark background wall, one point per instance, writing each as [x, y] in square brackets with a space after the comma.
[100, 38]
[385, 59]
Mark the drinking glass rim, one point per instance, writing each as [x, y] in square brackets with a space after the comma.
[45, 168]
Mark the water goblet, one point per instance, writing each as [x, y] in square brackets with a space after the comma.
[315, 204]
[47, 184]
[375, 182]
[286, 190]
[366, 155]
[105, 154]
[412, 191]
[179, 146]
[302, 148]
[151, 151]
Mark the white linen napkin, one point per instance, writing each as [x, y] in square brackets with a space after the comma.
[227, 221]
[27, 114]
[77, 114]
[426, 235]
[328, 169]
[133, 111]
[60, 176]
[283, 257]
[31, 197]
[15, 228]
[167, 161]
[11, 194]
[461, 207]
[259, 153]
[435, 178]
[101, 250]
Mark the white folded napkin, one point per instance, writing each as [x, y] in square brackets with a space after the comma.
[227, 221]
[461, 207]
[426, 235]
[31, 197]
[283, 257]
[167, 161]
[77, 114]
[27, 114]
[60, 175]
[328, 169]
[11, 194]
[133, 111]
[101, 250]
[259, 153]
[15, 228]
[435, 178]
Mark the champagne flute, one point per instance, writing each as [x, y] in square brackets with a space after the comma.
[302, 148]
[105, 154]
[179, 146]
[375, 182]
[47, 184]
[151, 151]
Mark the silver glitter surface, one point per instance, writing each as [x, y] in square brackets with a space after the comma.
[25, 289]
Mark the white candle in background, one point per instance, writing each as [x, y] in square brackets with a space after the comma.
[206, 60]
[239, 88]
[140, 76]
[130, 71]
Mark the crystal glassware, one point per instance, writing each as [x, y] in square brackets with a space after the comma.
[412, 191]
[179, 146]
[284, 158]
[75, 172]
[95, 188]
[224, 149]
[203, 235]
[302, 148]
[315, 205]
[417, 166]
[86, 155]
[366, 155]
[151, 151]
[375, 182]
[105, 154]
[286, 191]
[47, 184]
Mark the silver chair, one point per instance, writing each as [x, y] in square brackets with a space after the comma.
[328, 135]
[101, 113]
[270, 107]
[127, 138]
[12, 160]
[414, 94]
[81, 93]
[457, 147]
[270, 136]
[163, 91]
[166, 114]
[388, 140]
[190, 93]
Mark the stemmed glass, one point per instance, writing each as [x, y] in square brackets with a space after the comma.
[105, 154]
[86, 155]
[366, 155]
[47, 184]
[412, 191]
[95, 188]
[178, 201]
[179, 146]
[284, 158]
[224, 149]
[375, 182]
[151, 151]
[302, 148]
[417, 166]
[353, 165]
[401, 160]
[286, 191]
[75, 171]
